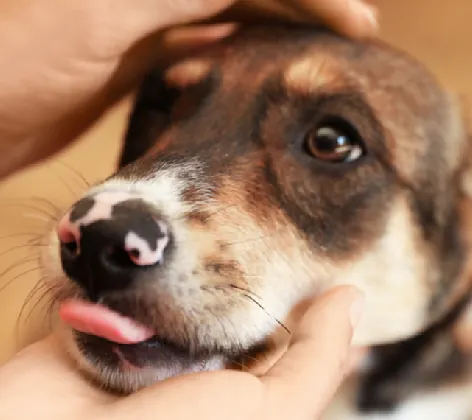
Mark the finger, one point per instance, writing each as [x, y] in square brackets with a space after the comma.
[158, 49]
[356, 357]
[179, 42]
[148, 16]
[208, 395]
[310, 372]
[462, 331]
[162, 48]
[134, 64]
[172, 12]
[260, 11]
[353, 18]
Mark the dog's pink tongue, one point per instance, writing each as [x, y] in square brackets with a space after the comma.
[102, 322]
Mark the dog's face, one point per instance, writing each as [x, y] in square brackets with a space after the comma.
[259, 173]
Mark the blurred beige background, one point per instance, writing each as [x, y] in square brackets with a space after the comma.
[438, 33]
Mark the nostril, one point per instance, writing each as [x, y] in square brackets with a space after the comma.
[69, 240]
[69, 237]
[70, 249]
[117, 258]
[66, 235]
[134, 255]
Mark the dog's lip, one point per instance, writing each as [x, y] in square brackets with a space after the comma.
[155, 343]
[156, 357]
[135, 354]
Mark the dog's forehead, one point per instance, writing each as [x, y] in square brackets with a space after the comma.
[307, 60]
[268, 50]
[411, 106]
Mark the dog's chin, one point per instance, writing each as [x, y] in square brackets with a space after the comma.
[128, 368]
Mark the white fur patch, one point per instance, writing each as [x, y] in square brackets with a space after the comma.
[146, 255]
[454, 403]
[103, 206]
[393, 277]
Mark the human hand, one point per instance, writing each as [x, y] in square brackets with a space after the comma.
[65, 62]
[40, 383]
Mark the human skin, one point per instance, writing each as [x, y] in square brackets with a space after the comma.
[66, 62]
[41, 383]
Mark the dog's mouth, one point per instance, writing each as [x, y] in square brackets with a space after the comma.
[111, 341]
[154, 357]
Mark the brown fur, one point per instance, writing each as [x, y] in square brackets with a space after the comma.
[262, 219]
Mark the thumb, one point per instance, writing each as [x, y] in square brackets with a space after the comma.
[354, 18]
[308, 375]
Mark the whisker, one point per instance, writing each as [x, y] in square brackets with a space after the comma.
[223, 329]
[20, 235]
[251, 358]
[75, 172]
[246, 357]
[48, 299]
[242, 289]
[36, 289]
[18, 264]
[49, 203]
[57, 293]
[64, 182]
[233, 360]
[222, 209]
[28, 245]
[244, 241]
[45, 292]
[38, 240]
[268, 313]
[208, 217]
[40, 217]
[26, 205]
[50, 304]
[251, 296]
[38, 285]
[238, 364]
[18, 276]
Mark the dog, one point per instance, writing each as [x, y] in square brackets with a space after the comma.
[259, 173]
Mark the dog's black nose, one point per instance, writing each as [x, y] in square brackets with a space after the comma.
[108, 239]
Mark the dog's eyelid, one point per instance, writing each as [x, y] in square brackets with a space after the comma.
[276, 90]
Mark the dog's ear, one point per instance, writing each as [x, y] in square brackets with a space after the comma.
[462, 331]
[463, 325]
[149, 117]
[466, 170]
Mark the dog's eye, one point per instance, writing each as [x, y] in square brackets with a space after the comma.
[334, 141]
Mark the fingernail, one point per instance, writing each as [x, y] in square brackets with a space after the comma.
[357, 309]
[371, 14]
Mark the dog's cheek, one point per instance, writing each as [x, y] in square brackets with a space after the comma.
[395, 275]
[277, 264]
